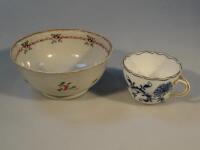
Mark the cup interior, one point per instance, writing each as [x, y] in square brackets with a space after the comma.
[152, 65]
[58, 51]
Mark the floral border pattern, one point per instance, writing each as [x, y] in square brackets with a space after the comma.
[90, 41]
[26, 46]
[57, 38]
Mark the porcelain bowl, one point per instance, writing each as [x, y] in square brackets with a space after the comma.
[62, 63]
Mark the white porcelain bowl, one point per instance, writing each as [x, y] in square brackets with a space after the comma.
[62, 63]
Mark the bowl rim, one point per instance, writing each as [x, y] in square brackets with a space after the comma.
[157, 53]
[110, 49]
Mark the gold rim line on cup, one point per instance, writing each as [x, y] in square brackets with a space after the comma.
[158, 53]
[110, 49]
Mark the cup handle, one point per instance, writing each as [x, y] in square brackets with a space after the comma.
[186, 84]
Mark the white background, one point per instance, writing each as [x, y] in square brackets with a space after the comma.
[106, 118]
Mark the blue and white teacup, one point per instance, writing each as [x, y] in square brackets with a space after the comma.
[151, 76]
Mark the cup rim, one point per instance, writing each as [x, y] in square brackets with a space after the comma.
[157, 53]
[110, 49]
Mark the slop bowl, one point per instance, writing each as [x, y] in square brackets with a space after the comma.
[62, 63]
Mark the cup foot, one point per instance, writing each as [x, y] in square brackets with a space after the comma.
[64, 97]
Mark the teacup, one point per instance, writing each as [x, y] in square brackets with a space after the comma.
[152, 76]
[62, 63]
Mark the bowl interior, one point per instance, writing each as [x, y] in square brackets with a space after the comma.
[152, 65]
[61, 51]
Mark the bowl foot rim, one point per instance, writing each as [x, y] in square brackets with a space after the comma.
[64, 97]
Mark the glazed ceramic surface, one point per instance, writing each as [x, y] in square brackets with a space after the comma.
[151, 76]
[62, 63]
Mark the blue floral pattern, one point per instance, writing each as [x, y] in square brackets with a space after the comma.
[140, 93]
[162, 90]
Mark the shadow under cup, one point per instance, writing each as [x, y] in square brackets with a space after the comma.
[151, 76]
